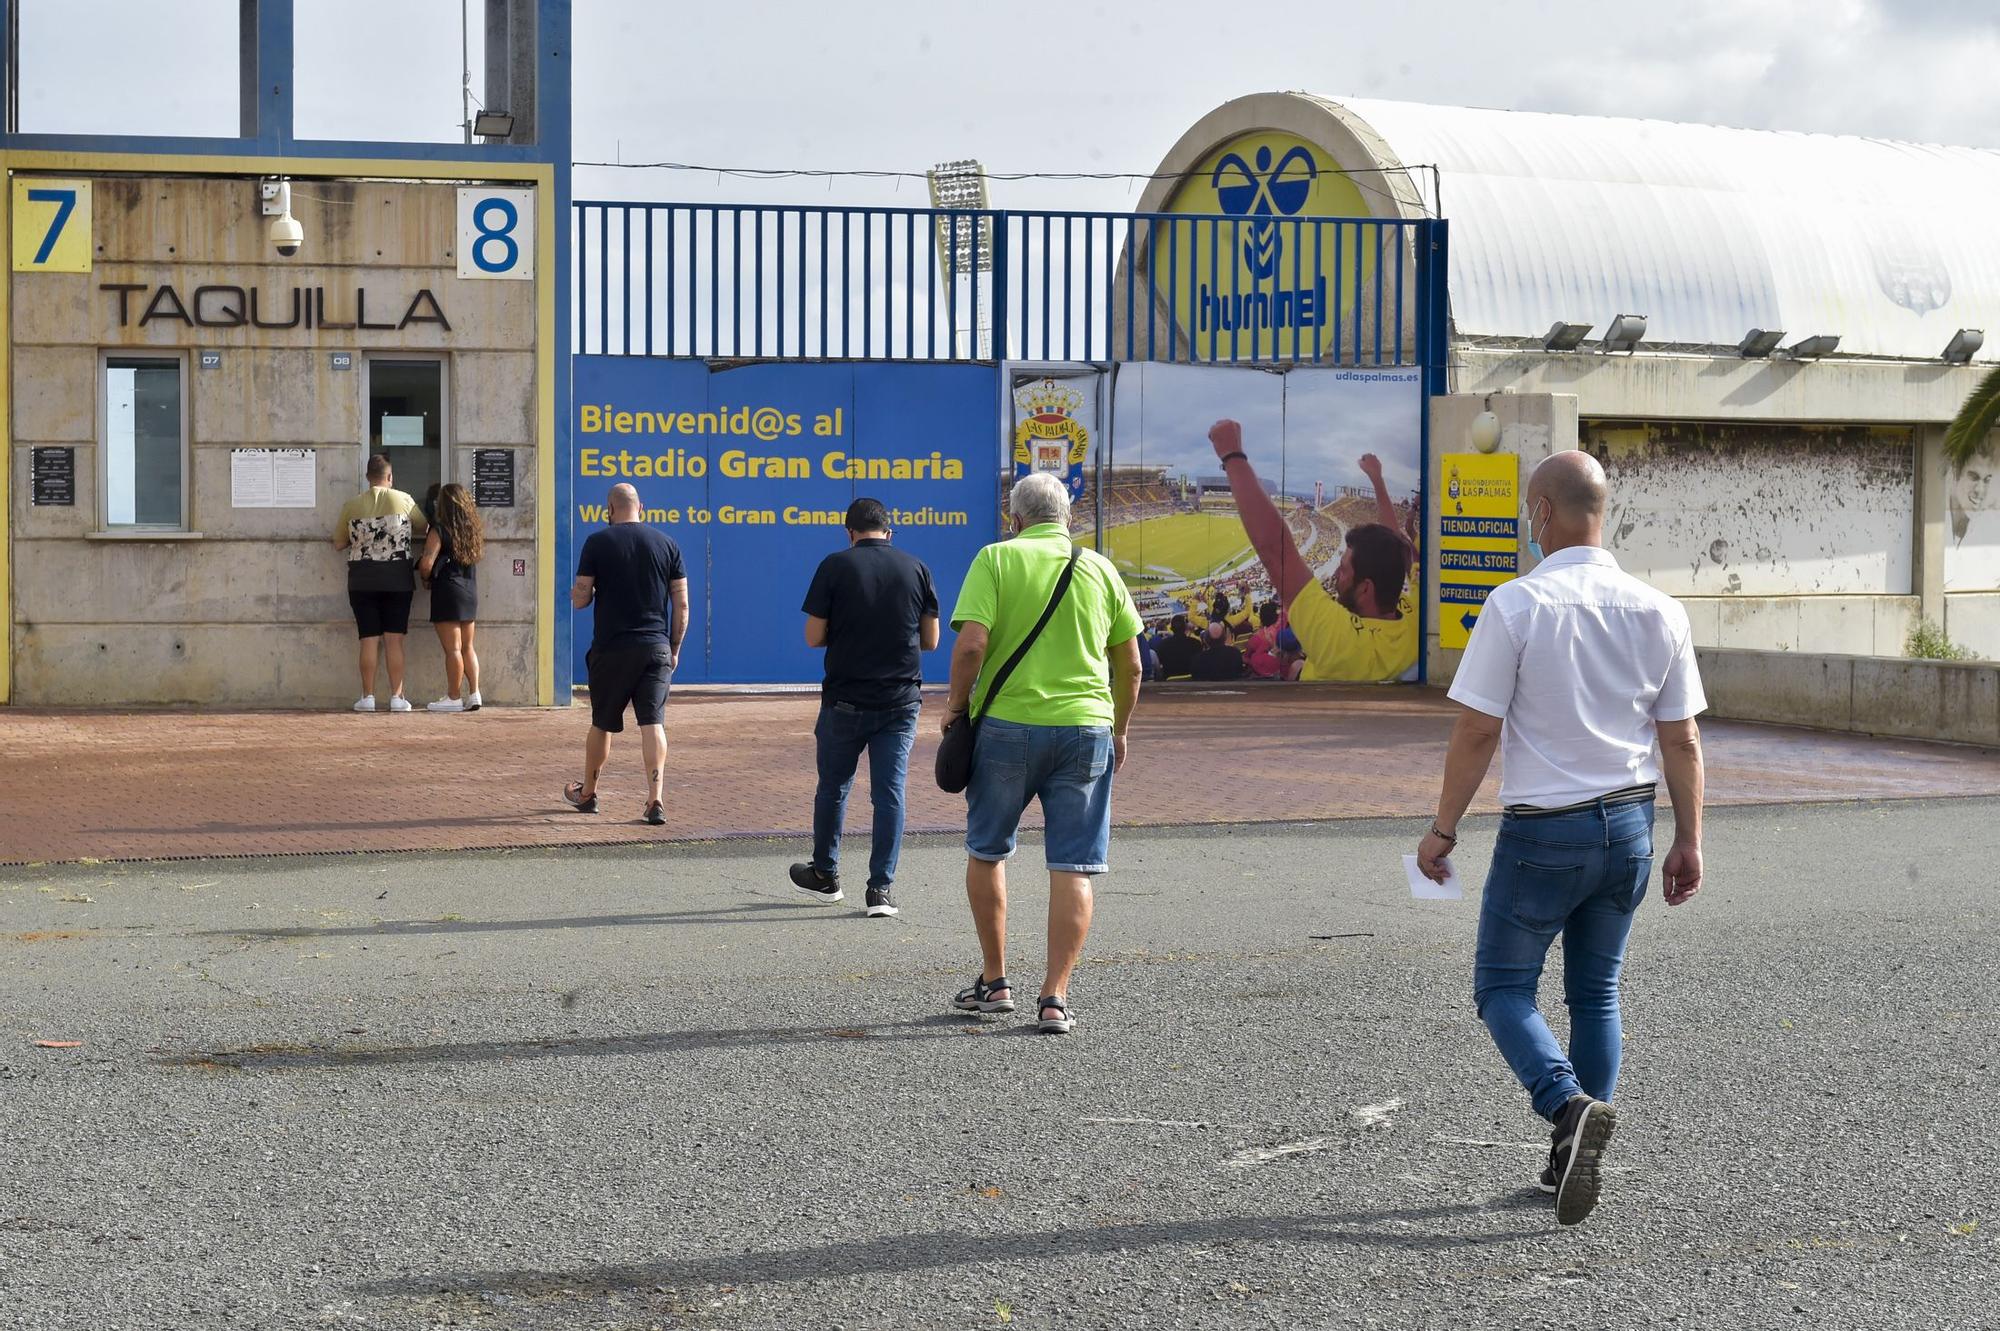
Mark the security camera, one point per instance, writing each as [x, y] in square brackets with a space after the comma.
[287, 235]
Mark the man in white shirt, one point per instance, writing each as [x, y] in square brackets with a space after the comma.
[1585, 679]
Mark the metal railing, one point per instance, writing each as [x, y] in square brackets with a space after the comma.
[751, 281]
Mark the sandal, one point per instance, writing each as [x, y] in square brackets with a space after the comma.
[979, 998]
[1060, 1024]
[573, 796]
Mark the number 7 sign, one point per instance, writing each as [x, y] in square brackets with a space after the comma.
[51, 223]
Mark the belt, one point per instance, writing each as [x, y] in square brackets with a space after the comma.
[1629, 795]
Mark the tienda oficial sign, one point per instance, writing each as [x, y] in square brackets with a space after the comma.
[1254, 287]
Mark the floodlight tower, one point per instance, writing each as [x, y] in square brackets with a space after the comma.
[965, 244]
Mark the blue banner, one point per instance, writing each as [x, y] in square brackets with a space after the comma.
[751, 470]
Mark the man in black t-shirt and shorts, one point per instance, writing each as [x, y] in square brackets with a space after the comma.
[375, 530]
[634, 577]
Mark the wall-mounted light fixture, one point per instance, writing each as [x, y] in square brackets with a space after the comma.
[1963, 344]
[1624, 334]
[1812, 348]
[1565, 336]
[1760, 343]
[1484, 432]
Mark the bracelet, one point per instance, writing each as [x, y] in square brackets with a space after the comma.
[1228, 458]
[1436, 831]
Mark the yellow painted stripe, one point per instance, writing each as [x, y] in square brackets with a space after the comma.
[370, 168]
[1469, 577]
[546, 361]
[1497, 545]
[6, 472]
[538, 174]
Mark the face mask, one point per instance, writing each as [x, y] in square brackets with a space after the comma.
[1534, 546]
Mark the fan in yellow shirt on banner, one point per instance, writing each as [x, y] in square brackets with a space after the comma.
[1366, 629]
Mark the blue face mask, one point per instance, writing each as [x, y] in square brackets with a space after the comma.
[1534, 546]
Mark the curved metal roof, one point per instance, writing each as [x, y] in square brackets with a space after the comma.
[1708, 232]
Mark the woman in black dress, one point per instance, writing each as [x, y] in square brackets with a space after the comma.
[450, 566]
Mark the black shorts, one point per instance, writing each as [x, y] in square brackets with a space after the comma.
[638, 675]
[377, 613]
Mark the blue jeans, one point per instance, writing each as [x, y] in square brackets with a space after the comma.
[1580, 875]
[1067, 767]
[843, 732]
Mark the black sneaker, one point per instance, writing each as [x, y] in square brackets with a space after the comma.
[881, 903]
[1583, 1129]
[822, 887]
[655, 814]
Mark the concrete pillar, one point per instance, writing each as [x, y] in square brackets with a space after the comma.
[1933, 486]
[1532, 426]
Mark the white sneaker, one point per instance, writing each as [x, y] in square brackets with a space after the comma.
[445, 705]
[365, 704]
[472, 703]
[399, 703]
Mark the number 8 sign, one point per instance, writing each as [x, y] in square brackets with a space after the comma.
[51, 221]
[496, 233]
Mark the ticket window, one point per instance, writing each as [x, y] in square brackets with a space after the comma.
[406, 407]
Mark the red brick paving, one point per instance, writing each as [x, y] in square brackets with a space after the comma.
[117, 785]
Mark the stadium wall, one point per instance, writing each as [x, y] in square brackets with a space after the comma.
[1777, 535]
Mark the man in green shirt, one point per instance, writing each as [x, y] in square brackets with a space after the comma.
[1056, 732]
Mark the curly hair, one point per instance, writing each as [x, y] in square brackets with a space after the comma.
[458, 520]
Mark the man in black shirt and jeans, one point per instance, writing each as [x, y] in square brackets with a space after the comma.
[875, 611]
[634, 576]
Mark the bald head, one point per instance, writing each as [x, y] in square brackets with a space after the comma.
[1572, 482]
[1566, 497]
[624, 503]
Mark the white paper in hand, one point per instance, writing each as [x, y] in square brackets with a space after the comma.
[1423, 889]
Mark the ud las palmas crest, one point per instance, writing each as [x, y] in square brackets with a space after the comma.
[1453, 489]
[1049, 435]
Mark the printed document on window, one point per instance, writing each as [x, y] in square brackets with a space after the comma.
[1423, 889]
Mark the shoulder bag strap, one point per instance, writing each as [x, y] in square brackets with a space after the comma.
[1048, 612]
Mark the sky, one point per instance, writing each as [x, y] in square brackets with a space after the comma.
[1027, 85]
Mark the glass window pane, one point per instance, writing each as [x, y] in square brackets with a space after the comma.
[129, 67]
[142, 443]
[406, 422]
[352, 84]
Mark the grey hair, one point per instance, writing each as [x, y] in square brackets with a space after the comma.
[1039, 497]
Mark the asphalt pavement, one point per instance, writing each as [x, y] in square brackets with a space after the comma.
[651, 1086]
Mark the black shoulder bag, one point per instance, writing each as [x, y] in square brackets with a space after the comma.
[954, 755]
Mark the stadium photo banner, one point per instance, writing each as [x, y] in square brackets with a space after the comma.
[1298, 560]
[751, 468]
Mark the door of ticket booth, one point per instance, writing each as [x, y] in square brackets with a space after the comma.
[406, 420]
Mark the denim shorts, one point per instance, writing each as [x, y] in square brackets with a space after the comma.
[1067, 767]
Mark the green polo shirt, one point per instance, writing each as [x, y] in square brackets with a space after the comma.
[1065, 679]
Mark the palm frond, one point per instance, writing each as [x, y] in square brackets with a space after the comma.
[1975, 420]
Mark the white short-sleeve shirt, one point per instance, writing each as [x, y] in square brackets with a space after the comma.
[1579, 659]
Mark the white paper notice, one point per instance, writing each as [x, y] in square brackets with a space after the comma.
[1423, 889]
[294, 478]
[250, 478]
[402, 431]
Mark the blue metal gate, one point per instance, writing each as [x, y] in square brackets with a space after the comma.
[729, 285]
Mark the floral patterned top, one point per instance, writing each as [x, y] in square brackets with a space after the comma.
[380, 525]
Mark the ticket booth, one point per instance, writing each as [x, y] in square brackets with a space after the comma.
[189, 406]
